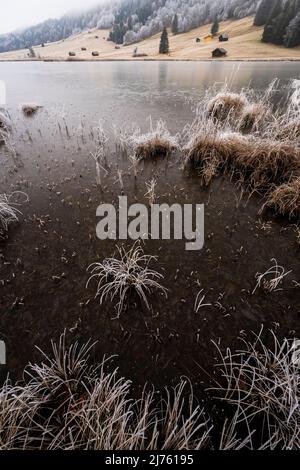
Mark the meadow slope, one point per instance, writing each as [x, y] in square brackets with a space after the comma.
[244, 44]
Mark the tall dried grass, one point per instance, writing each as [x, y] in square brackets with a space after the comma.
[65, 404]
[285, 199]
[226, 105]
[157, 143]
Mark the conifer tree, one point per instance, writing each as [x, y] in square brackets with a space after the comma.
[164, 42]
[129, 24]
[215, 27]
[274, 17]
[281, 17]
[292, 36]
[174, 26]
[263, 12]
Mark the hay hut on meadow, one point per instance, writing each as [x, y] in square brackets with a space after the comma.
[208, 38]
[219, 52]
[223, 37]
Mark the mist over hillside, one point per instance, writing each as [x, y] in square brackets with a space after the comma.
[133, 20]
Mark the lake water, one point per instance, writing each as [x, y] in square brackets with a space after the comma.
[56, 236]
[133, 90]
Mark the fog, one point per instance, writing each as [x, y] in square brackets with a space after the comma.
[17, 14]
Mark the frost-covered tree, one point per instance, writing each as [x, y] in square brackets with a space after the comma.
[106, 21]
[174, 26]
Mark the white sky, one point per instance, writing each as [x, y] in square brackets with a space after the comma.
[20, 13]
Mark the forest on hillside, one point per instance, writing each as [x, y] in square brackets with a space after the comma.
[131, 21]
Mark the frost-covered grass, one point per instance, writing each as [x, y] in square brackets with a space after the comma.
[285, 199]
[118, 277]
[243, 136]
[226, 105]
[8, 212]
[30, 109]
[262, 385]
[272, 278]
[157, 143]
[67, 404]
[5, 127]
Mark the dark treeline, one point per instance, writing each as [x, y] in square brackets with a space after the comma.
[281, 19]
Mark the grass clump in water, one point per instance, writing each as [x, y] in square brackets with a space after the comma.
[118, 277]
[285, 199]
[225, 105]
[157, 143]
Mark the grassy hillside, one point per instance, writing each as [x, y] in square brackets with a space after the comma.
[244, 43]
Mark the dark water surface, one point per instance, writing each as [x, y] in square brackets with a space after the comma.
[43, 263]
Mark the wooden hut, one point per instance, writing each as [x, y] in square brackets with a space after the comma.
[72, 54]
[83, 48]
[95, 53]
[219, 52]
[198, 40]
[208, 38]
[223, 37]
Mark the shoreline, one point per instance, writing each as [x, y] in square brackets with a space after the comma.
[251, 59]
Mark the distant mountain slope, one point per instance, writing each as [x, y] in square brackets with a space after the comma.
[244, 44]
[130, 20]
[57, 29]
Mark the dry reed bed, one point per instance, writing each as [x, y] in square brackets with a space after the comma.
[244, 137]
[260, 163]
